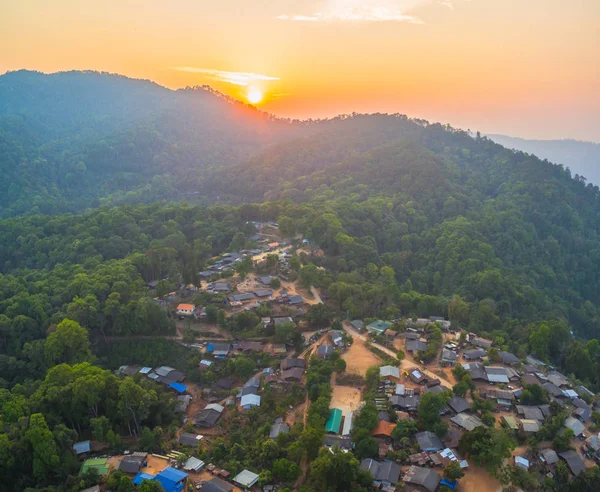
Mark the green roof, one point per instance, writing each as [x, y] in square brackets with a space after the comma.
[334, 422]
[379, 326]
[100, 464]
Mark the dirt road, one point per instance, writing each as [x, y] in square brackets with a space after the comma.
[405, 365]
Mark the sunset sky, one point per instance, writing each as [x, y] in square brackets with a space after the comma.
[528, 68]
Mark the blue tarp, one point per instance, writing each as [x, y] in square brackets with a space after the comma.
[180, 388]
[210, 347]
[140, 477]
[449, 484]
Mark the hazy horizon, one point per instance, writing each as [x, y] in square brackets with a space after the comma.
[530, 69]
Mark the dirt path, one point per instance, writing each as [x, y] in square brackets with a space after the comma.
[477, 479]
[406, 364]
[316, 295]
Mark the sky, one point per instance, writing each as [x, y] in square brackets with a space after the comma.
[527, 68]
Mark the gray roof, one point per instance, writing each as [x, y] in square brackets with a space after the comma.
[386, 471]
[549, 455]
[530, 379]
[508, 358]
[423, 476]
[207, 418]
[428, 441]
[341, 442]
[248, 390]
[476, 371]
[265, 279]
[82, 447]
[415, 345]
[392, 371]
[277, 429]
[246, 478]
[244, 296]
[217, 485]
[449, 355]
[467, 421]
[255, 382]
[574, 461]
[325, 350]
[358, 324]
[189, 439]
[474, 354]
[497, 374]
[557, 378]
[530, 412]
[296, 299]
[459, 404]
[294, 373]
[132, 463]
[405, 402]
[481, 342]
[263, 292]
[583, 414]
[574, 424]
[291, 363]
[552, 389]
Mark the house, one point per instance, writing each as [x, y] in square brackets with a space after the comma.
[178, 387]
[386, 472]
[183, 402]
[574, 461]
[132, 463]
[528, 379]
[249, 401]
[246, 479]
[383, 415]
[522, 462]
[247, 346]
[265, 280]
[534, 362]
[476, 371]
[219, 287]
[467, 421]
[82, 447]
[252, 383]
[482, 342]
[278, 349]
[217, 485]
[592, 446]
[247, 390]
[342, 442]
[409, 335]
[383, 430]
[424, 477]
[530, 426]
[263, 292]
[416, 345]
[417, 376]
[510, 422]
[219, 350]
[295, 300]
[569, 393]
[292, 363]
[185, 310]
[583, 391]
[548, 456]
[281, 320]
[474, 354]
[583, 414]
[530, 412]
[406, 403]
[358, 325]
[207, 417]
[347, 427]
[378, 327]
[449, 357]
[325, 351]
[557, 378]
[496, 374]
[459, 404]
[336, 338]
[140, 477]
[293, 375]
[529, 369]
[193, 464]
[334, 422]
[552, 389]
[244, 296]
[389, 373]
[171, 479]
[225, 383]
[189, 439]
[95, 488]
[400, 389]
[509, 359]
[428, 441]
[574, 425]
[277, 429]
[503, 398]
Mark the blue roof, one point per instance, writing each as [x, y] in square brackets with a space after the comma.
[173, 474]
[140, 477]
[210, 347]
[450, 484]
[180, 388]
[168, 485]
[82, 447]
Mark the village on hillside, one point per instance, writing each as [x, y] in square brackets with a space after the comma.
[402, 393]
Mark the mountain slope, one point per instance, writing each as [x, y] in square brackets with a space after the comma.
[583, 158]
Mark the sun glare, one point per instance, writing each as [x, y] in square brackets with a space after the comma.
[254, 95]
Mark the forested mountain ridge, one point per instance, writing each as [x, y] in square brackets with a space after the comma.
[583, 158]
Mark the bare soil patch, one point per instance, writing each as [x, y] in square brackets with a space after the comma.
[346, 398]
[359, 358]
[479, 480]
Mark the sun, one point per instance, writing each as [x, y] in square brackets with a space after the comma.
[254, 95]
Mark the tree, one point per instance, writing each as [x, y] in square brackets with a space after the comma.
[533, 395]
[309, 275]
[100, 427]
[69, 344]
[458, 310]
[453, 471]
[400, 355]
[429, 409]
[335, 471]
[286, 470]
[461, 388]
[318, 315]
[244, 267]
[488, 447]
[404, 428]
[45, 452]
[150, 486]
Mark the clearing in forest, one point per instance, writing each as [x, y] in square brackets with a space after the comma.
[359, 358]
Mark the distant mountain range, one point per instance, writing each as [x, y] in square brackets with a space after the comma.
[583, 158]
